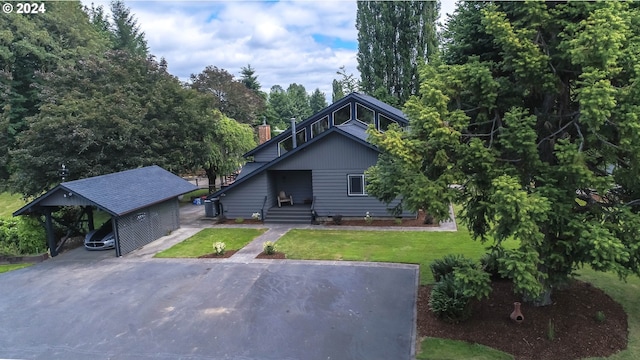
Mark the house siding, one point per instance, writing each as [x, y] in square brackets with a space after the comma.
[267, 154]
[245, 200]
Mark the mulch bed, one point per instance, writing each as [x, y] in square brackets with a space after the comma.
[276, 255]
[573, 314]
[417, 222]
[226, 254]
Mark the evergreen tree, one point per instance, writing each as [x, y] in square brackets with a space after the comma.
[539, 126]
[298, 101]
[337, 92]
[394, 37]
[126, 31]
[317, 101]
[249, 79]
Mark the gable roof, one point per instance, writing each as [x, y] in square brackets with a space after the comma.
[353, 132]
[122, 192]
[370, 101]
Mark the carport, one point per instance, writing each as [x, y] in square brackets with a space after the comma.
[143, 204]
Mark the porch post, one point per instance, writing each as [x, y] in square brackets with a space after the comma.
[51, 236]
[89, 211]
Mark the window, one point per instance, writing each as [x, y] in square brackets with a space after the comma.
[384, 122]
[356, 185]
[342, 115]
[287, 144]
[364, 114]
[319, 126]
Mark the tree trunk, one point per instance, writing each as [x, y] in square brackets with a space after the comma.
[211, 176]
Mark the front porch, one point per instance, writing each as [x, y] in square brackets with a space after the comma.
[289, 214]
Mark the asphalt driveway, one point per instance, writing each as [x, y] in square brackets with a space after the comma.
[100, 307]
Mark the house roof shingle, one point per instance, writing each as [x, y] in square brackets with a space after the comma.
[124, 192]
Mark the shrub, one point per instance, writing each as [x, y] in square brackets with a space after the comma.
[239, 220]
[446, 265]
[491, 264]
[256, 216]
[459, 280]
[269, 247]
[600, 317]
[337, 219]
[398, 221]
[21, 236]
[219, 248]
[448, 302]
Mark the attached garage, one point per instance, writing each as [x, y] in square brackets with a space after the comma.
[143, 204]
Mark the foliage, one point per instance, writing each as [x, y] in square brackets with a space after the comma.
[551, 330]
[317, 101]
[250, 80]
[224, 141]
[106, 114]
[393, 38]
[29, 46]
[490, 262]
[126, 34]
[21, 236]
[346, 84]
[600, 316]
[228, 95]
[219, 247]
[200, 243]
[538, 124]
[239, 220]
[458, 281]
[269, 247]
[448, 302]
[447, 264]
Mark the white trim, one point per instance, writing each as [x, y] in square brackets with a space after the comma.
[333, 115]
[388, 118]
[328, 126]
[289, 137]
[373, 113]
[363, 184]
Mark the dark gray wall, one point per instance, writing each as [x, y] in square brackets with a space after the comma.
[267, 154]
[143, 226]
[246, 199]
[296, 183]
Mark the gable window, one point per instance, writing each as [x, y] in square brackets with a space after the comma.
[342, 115]
[320, 126]
[384, 122]
[356, 185]
[287, 144]
[364, 114]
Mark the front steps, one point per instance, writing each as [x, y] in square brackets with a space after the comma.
[296, 214]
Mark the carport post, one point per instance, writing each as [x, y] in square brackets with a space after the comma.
[51, 235]
[116, 235]
[89, 211]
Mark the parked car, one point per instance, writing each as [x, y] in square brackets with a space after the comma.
[101, 239]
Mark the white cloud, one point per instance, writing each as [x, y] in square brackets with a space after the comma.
[276, 38]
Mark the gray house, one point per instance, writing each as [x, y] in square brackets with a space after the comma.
[321, 168]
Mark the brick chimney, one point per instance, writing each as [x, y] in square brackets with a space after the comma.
[264, 132]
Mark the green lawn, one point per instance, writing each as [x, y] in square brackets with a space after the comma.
[10, 203]
[413, 247]
[445, 349]
[9, 267]
[202, 242]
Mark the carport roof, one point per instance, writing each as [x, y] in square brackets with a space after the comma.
[118, 193]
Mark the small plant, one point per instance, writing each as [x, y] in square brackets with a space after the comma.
[269, 247]
[219, 247]
[256, 216]
[337, 219]
[398, 221]
[600, 317]
[551, 330]
[368, 218]
[239, 220]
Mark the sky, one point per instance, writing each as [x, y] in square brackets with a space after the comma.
[304, 42]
